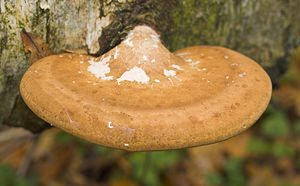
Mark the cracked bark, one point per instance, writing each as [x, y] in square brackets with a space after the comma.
[264, 30]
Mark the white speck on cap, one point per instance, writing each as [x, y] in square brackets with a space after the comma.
[188, 60]
[109, 125]
[242, 74]
[169, 73]
[157, 81]
[145, 58]
[177, 67]
[135, 74]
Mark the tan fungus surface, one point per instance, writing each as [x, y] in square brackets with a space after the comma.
[196, 96]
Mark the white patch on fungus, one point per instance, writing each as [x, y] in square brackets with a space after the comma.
[135, 74]
[226, 57]
[169, 73]
[126, 144]
[100, 69]
[177, 67]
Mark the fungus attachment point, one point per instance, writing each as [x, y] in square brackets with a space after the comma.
[156, 99]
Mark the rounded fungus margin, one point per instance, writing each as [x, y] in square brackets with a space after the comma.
[141, 97]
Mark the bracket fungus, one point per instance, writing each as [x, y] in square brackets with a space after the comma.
[139, 96]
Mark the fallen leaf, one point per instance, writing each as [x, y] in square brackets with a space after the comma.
[34, 45]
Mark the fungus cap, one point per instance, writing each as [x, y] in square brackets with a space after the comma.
[139, 96]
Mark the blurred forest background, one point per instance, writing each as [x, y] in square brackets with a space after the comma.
[266, 155]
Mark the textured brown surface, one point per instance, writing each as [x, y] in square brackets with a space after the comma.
[218, 94]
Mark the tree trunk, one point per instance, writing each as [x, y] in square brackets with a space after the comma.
[267, 31]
